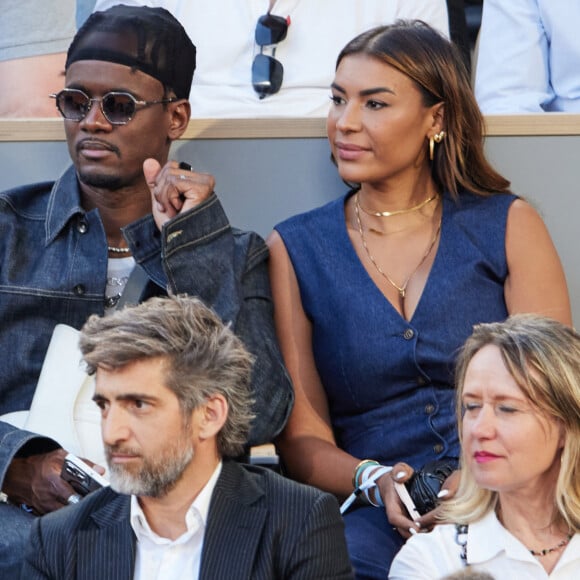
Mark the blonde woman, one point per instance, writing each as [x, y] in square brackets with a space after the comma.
[516, 513]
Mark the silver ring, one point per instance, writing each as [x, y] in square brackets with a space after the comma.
[73, 498]
[181, 176]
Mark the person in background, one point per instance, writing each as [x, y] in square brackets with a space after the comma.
[33, 43]
[528, 57]
[71, 248]
[375, 292]
[516, 513]
[286, 48]
[458, 32]
[84, 9]
[173, 386]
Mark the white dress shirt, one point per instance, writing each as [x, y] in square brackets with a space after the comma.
[163, 559]
[529, 56]
[490, 548]
[223, 32]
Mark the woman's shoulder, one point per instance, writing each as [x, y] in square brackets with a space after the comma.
[315, 218]
[480, 215]
[468, 201]
[428, 555]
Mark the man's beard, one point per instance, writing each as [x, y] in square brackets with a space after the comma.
[156, 476]
[101, 181]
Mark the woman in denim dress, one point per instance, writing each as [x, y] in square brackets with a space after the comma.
[375, 292]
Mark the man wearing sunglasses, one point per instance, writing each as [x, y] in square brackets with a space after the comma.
[70, 249]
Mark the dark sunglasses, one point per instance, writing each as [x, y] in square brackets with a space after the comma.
[117, 107]
[267, 72]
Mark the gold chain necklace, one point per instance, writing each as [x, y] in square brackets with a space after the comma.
[400, 289]
[397, 211]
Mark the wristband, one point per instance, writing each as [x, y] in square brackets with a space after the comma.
[371, 473]
[367, 484]
[359, 468]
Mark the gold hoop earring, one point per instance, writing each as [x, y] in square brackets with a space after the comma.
[437, 138]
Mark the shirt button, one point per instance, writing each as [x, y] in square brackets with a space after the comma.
[82, 226]
[408, 334]
[421, 381]
[79, 289]
[429, 408]
[438, 448]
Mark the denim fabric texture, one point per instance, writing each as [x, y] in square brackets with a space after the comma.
[389, 381]
[53, 269]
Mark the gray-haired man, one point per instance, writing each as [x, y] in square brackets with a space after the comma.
[173, 386]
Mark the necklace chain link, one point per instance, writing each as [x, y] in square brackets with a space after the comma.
[118, 250]
[403, 288]
[547, 551]
[387, 214]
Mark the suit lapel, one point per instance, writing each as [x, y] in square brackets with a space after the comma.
[234, 528]
[110, 543]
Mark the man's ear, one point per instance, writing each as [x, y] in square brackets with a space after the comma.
[180, 113]
[214, 414]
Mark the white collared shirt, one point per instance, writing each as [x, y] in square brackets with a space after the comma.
[490, 548]
[528, 57]
[159, 558]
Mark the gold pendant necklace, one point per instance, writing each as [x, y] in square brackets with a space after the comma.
[400, 289]
[386, 214]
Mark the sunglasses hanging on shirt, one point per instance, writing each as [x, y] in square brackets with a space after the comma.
[267, 71]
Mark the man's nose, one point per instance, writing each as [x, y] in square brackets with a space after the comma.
[95, 119]
[114, 427]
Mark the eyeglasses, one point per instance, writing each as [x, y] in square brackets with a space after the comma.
[267, 72]
[117, 107]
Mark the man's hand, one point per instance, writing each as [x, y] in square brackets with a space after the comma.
[175, 190]
[36, 482]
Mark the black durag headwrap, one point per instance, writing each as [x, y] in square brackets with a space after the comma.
[147, 39]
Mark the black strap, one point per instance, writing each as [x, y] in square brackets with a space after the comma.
[133, 291]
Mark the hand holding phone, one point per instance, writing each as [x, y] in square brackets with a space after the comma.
[404, 496]
[81, 476]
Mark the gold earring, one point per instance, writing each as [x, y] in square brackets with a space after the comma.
[437, 138]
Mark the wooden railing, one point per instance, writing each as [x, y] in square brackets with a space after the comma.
[497, 125]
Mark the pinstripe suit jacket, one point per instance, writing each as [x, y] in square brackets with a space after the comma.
[260, 526]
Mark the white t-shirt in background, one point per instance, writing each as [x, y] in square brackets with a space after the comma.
[223, 32]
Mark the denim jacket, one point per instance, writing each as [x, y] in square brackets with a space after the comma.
[53, 269]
